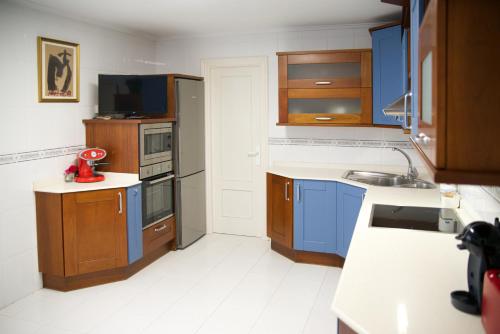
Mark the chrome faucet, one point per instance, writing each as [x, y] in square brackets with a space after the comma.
[412, 171]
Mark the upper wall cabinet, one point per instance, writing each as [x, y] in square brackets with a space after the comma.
[458, 108]
[388, 72]
[325, 87]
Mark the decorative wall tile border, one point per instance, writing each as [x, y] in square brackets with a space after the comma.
[14, 158]
[340, 142]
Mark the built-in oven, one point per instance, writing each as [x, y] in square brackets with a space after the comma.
[157, 199]
[155, 149]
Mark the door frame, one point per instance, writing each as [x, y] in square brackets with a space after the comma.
[207, 65]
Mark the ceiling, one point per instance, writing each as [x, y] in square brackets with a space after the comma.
[168, 18]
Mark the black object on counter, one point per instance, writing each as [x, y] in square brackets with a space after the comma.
[482, 240]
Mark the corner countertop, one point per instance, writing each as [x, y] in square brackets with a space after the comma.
[395, 280]
[57, 185]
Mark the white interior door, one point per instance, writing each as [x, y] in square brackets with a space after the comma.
[237, 103]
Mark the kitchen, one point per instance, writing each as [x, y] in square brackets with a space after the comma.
[42, 139]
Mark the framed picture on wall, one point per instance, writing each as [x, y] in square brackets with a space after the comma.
[58, 71]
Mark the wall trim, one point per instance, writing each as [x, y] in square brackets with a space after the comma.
[19, 157]
[340, 142]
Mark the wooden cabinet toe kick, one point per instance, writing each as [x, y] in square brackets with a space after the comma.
[325, 259]
[62, 283]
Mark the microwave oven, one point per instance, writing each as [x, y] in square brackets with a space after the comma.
[155, 149]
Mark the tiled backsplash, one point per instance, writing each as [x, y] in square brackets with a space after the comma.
[482, 202]
[342, 151]
[37, 155]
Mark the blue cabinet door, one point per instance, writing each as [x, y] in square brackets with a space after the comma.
[315, 227]
[404, 60]
[416, 12]
[349, 200]
[387, 72]
[134, 223]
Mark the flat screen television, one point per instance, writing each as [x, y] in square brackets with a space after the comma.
[132, 95]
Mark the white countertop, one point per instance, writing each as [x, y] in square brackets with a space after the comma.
[396, 280]
[112, 180]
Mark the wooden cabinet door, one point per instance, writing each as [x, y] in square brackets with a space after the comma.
[349, 201]
[280, 209]
[315, 220]
[95, 231]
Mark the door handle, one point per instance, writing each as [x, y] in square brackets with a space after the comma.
[120, 203]
[298, 193]
[286, 191]
[255, 154]
[324, 118]
[319, 83]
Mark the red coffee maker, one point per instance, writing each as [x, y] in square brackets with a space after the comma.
[86, 165]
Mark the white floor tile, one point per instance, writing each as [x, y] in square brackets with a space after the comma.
[289, 308]
[321, 319]
[221, 284]
[15, 326]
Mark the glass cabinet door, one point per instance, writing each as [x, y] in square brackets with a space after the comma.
[346, 105]
[324, 75]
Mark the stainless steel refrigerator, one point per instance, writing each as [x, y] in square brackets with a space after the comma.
[189, 161]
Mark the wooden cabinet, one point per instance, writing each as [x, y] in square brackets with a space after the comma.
[349, 201]
[312, 221]
[120, 139]
[280, 209]
[158, 235]
[315, 220]
[81, 232]
[95, 231]
[325, 87]
[458, 112]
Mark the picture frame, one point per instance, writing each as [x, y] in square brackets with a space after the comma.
[58, 70]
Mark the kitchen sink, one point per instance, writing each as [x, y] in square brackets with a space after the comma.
[387, 180]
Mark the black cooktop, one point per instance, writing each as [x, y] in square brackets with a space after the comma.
[416, 218]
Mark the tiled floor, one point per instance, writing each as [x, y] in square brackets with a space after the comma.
[221, 284]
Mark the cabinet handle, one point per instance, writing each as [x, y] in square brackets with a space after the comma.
[324, 118]
[298, 193]
[161, 228]
[286, 191]
[120, 204]
[405, 120]
[320, 83]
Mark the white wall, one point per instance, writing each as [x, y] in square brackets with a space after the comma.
[29, 126]
[364, 145]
